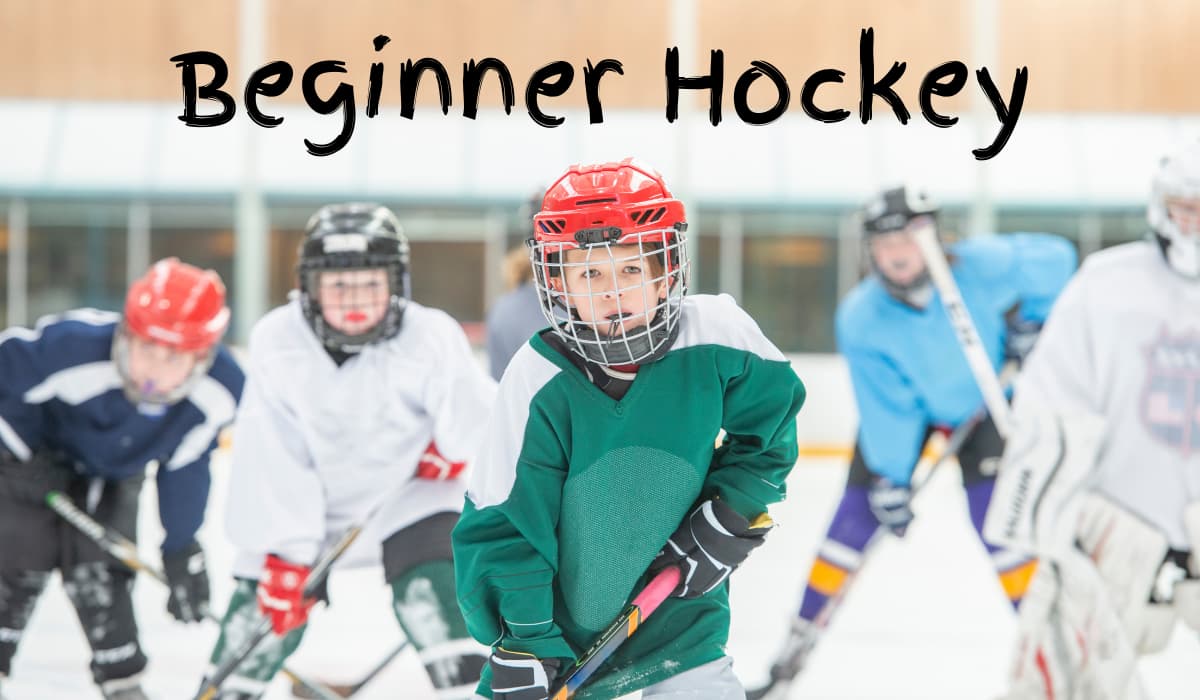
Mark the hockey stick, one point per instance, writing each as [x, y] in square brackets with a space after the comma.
[316, 578]
[123, 550]
[1082, 569]
[777, 687]
[345, 691]
[622, 628]
[964, 328]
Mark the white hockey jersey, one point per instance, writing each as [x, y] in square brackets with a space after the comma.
[316, 446]
[1123, 343]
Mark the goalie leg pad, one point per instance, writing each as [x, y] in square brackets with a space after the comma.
[1071, 643]
[1187, 602]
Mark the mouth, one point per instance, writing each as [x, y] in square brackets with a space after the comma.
[355, 316]
[618, 323]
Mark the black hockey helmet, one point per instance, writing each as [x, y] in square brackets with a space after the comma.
[892, 209]
[348, 237]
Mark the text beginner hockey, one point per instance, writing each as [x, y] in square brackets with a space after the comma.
[556, 78]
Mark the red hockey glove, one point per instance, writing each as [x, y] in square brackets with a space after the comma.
[281, 594]
[435, 467]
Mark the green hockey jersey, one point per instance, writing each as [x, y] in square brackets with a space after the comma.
[574, 493]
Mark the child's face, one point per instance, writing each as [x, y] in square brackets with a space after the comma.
[158, 370]
[614, 288]
[353, 301]
[896, 254]
[1185, 213]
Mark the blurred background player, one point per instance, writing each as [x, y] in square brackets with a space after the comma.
[89, 402]
[599, 467]
[349, 382]
[517, 314]
[1109, 403]
[910, 377]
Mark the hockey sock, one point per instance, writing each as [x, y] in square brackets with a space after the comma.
[103, 602]
[1015, 570]
[251, 677]
[426, 607]
[19, 591]
[841, 553]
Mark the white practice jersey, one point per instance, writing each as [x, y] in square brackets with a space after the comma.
[1123, 342]
[316, 446]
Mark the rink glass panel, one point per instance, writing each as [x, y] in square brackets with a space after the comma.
[789, 276]
[76, 256]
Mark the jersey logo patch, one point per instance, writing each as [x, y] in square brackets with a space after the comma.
[1171, 396]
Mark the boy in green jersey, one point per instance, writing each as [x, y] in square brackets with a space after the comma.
[599, 467]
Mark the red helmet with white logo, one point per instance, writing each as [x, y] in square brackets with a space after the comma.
[595, 208]
[177, 305]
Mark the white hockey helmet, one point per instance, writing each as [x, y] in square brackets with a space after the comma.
[1177, 184]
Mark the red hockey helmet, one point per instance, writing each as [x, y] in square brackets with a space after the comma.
[177, 305]
[597, 207]
[609, 203]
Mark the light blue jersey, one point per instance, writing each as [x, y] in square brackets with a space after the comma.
[908, 370]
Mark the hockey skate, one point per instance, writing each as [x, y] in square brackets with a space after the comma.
[800, 642]
[132, 692]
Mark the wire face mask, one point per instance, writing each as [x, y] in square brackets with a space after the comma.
[623, 300]
[609, 252]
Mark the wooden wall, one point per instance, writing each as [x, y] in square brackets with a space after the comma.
[1083, 55]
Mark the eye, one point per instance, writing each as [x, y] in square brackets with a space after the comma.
[590, 273]
[632, 269]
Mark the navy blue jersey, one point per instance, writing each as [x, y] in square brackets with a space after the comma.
[907, 367]
[60, 391]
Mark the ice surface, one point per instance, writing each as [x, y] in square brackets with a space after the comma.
[926, 619]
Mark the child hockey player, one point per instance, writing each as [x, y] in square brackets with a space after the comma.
[88, 402]
[348, 384]
[1105, 457]
[599, 466]
[910, 377]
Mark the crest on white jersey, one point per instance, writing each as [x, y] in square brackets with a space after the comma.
[1170, 407]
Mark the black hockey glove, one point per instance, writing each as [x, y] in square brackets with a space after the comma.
[520, 676]
[187, 577]
[891, 504]
[1019, 336]
[713, 540]
[30, 482]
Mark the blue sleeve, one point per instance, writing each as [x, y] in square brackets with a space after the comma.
[28, 357]
[892, 420]
[182, 498]
[183, 491]
[21, 368]
[1042, 265]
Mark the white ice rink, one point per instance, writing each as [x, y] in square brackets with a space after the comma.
[926, 619]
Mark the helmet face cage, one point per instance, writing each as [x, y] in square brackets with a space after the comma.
[1177, 186]
[387, 326]
[138, 395]
[623, 298]
[353, 237]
